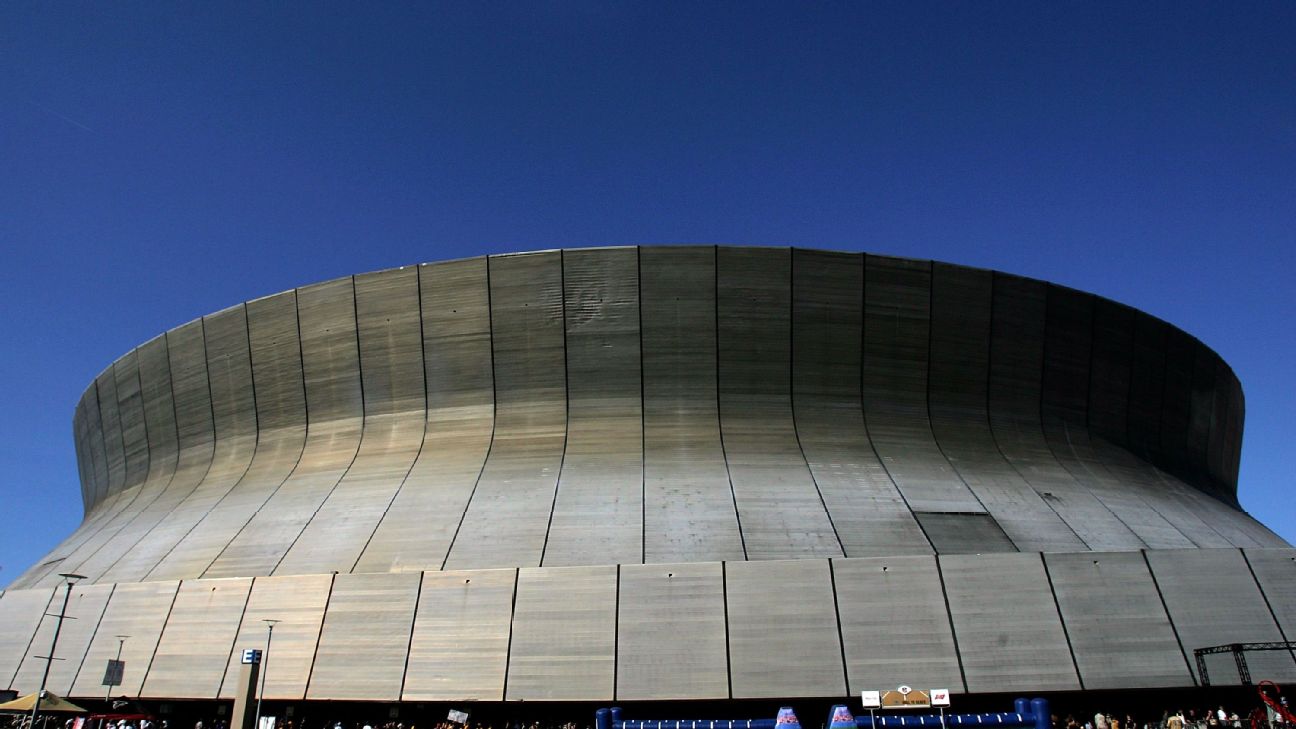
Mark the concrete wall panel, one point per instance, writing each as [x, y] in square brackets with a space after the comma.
[229, 368]
[897, 320]
[85, 608]
[271, 507]
[159, 407]
[1068, 351]
[599, 506]
[416, 532]
[1275, 572]
[297, 605]
[868, 513]
[459, 650]
[391, 365]
[21, 612]
[1006, 623]
[138, 610]
[110, 422]
[1119, 630]
[1213, 599]
[564, 635]
[782, 644]
[365, 638]
[671, 632]
[894, 626]
[196, 644]
[191, 396]
[689, 510]
[1111, 369]
[958, 384]
[507, 519]
[780, 510]
[130, 408]
[1016, 381]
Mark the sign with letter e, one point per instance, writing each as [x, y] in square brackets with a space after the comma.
[251, 655]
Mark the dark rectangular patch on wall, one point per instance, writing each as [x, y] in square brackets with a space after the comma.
[957, 533]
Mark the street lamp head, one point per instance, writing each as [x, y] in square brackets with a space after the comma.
[71, 577]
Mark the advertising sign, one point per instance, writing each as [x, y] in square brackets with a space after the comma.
[940, 697]
[872, 699]
[113, 674]
[906, 698]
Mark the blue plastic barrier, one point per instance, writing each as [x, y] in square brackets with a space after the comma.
[611, 719]
[1033, 714]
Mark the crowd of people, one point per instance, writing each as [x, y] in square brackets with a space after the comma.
[1218, 718]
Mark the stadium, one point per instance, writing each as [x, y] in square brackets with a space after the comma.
[715, 478]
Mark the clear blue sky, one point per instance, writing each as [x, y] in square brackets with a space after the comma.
[162, 161]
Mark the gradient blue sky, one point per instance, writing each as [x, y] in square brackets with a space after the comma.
[162, 161]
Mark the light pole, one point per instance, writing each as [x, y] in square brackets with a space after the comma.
[70, 579]
[121, 641]
[265, 663]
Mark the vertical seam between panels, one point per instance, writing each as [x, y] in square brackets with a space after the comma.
[562, 459]
[364, 421]
[1165, 607]
[409, 642]
[1048, 445]
[121, 437]
[508, 649]
[841, 639]
[418, 289]
[792, 399]
[93, 634]
[994, 436]
[616, 630]
[949, 617]
[257, 448]
[247, 599]
[174, 471]
[1098, 470]
[1216, 380]
[1268, 605]
[121, 432]
[490, 326]
[931, 429]
[123, 517]
[166, 338]
[1151, 505]
[792, 394]
[864, 407]
[319, 635]
[724, 598]
[643, 420]
[94, 463]
[148, 456]
[152, 657]
[733, 491]
[103, 445]
[211, 459]
[301, 365]
[1057, 607]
